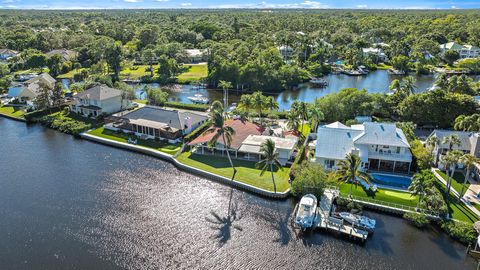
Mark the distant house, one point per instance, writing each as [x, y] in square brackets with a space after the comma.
[380, 146]
[245, 142]
[469, 143]
[465, 51]
[99, 100]
[6, 54]
[67, 55]
[285, 51]
[157, 123]
[31, 89]
[377, 53]
[196, 55]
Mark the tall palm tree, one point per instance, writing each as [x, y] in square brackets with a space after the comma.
[468, 161]
[246, 102]
[269, 160]
[432, 142]
[450, 161]
[258, 102]
[420, 183]
[395, 86]
[452, 140]
[315, 116]
[221, 130]
[350, 171]
[271, 104]
[225, 86]
[293, 122]
[409, 85]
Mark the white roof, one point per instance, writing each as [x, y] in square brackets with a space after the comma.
[336, 125]
[194, 52]
[335, 143]
[382, 134]
[253, 143]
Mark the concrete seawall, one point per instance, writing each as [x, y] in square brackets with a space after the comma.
[187, 168]
[13, 118]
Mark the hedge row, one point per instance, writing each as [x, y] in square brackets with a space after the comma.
[197, 131]
[31, 116]
[298, 160]
[193, 107]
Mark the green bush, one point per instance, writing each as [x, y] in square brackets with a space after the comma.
[35, 115]
[193, 107]
[298, 159]
[342, 201]
[417, 219]
[199, 130]
[461, 231]
[310, 179]
[354, 206]
[64, 123]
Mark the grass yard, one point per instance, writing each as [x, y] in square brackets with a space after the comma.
[167, 148]
[70, 74]
[16, 112]
[246, 171]
[457, 182]
[140, 101]
[383, 66]
[386, 195]
[195, 73]
[137, 72]
[457, 210]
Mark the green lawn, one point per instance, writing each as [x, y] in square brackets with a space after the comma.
[247, 173]
[137, 72]
[70, 74]
[16, 112]
[457, 182]
[305, 129]
[383, 66]
[141, 101]
[167, 148]
[457, 210]
[195, 73]
[386, 195]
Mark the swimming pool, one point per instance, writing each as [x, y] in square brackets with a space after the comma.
[395, 181]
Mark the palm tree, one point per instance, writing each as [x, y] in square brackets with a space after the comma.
[315, 116]
[221, 130]
[468, 161]
[442, 82]
[452, 140]
[395, 86]
[216, 107]
[450, 161]
[246, 103]
[420, 184]
[225, 86]
[293, 122]
[432, 142]
[258, 102]
[271, 104]
[349, 171]
[409, 85]
[269, 160]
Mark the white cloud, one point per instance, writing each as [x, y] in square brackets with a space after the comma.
[8, 1]
[454, 7]
[185, 4]
[362, 6]
[263, 4]
[132, 1]
[161, 0]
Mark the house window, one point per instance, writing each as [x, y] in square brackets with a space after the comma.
[329, 163]
[398, 150]
[95, 102]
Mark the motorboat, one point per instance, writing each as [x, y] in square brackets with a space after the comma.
[395, 71]
[306, 212]
[319, 82]
[361, 222]
[199, 99]
[132, 141]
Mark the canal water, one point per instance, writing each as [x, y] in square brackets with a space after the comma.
[67, 203]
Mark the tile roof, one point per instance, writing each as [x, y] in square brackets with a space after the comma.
[100, 92]
[242, 130]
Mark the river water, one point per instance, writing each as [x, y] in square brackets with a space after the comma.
[67, 203]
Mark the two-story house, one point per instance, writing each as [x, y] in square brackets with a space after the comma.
[28, 91]
[380, 146]
[99, 100]
[469, 143]
[465, 51]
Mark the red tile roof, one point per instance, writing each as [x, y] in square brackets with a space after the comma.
[242, 130]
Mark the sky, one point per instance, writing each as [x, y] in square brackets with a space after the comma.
[267, 4]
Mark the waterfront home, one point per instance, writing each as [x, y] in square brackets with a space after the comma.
[31, 89]
[196, 55]
[380, 146]
[245, 142]
[153, 122]
[469, 143]
[376, 53]
[67, 55]
[465, 51]
[6, 54]
[99, 100]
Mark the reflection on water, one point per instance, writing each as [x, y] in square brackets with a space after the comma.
[72, 204]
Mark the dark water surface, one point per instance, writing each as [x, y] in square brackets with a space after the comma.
[72, 204]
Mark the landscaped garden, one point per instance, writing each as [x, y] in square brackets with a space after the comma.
[16, 112]
[164, 147]
[246, 170]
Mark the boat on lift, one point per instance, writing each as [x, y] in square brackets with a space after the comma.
[306, 211]
[199, 99]
[361, 222]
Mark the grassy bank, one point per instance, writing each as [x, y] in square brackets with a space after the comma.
[167, 148]
[457, 182]
[247, 173]
[195, 72]
[137, 72]
[70, 123]
[15, 112]
[385, 195]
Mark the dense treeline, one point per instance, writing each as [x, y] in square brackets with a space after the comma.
[241, 45]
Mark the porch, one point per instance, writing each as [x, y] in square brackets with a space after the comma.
[389, 166]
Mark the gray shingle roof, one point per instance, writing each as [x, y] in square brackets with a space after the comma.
[172, 118]
[45, 77]
[382, 134]
[463, 136]
[100, 92]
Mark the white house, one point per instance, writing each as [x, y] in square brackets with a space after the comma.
[284, 146]
[99, 100]
[196, 55]
[380, 146]
[465, 51]
[377, 53]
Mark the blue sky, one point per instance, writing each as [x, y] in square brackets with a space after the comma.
[125, 4]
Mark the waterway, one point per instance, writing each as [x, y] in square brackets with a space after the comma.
[67, 203]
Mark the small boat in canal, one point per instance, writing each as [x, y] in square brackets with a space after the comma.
[199, 99]
[361, 222]
[306, 212]
[318, 82]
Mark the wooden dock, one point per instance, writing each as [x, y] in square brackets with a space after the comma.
[323, 219]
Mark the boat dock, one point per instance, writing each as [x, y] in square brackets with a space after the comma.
[323, 219]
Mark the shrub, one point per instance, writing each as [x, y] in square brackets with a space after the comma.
[298, 159]
[193, 107]
[354, 206]
[310, 179]
[64, 123]
[199, 130]
[342, 201]
[417, 219]
[461, 231]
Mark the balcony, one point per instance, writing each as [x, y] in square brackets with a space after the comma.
[404, 157]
